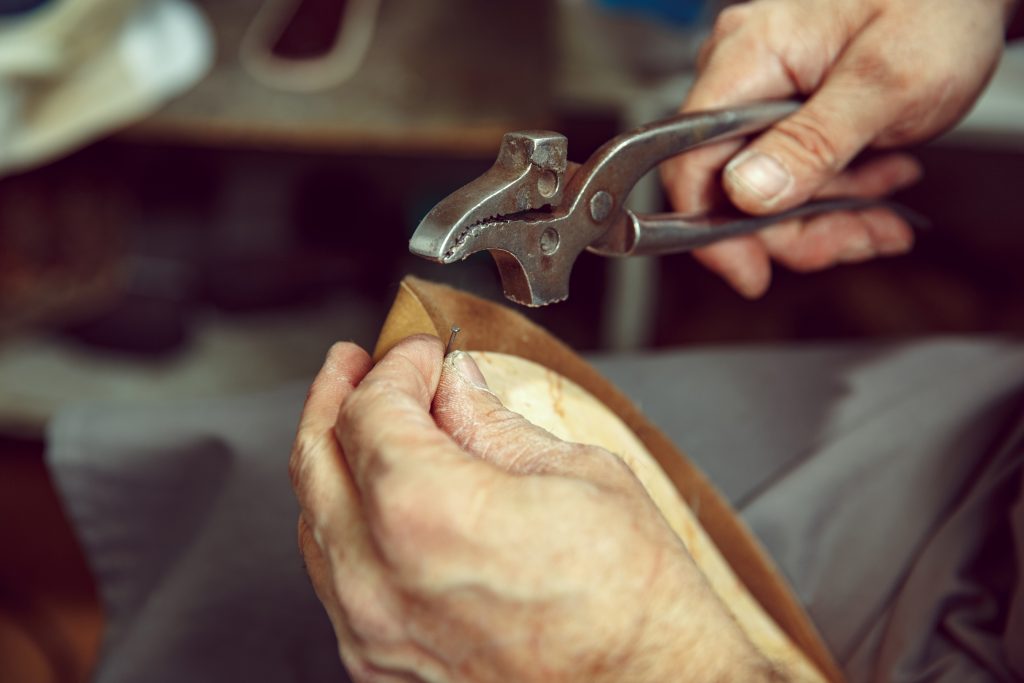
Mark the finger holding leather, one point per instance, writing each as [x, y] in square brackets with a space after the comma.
[313, 463]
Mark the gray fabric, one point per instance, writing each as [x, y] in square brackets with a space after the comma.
[884, 480]
[881, 481]
[187, 518]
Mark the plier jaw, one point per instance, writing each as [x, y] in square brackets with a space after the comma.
[528, 175]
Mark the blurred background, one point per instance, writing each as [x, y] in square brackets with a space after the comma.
[198, 197]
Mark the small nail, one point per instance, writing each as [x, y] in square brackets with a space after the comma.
[761, 174]
[468, 369]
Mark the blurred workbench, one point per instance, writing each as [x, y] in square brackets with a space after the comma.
[440, 76]
[446, 78]
[442, 79]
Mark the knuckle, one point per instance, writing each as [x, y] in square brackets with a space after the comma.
[496, 423]
[354, 407]
[729, 23]
[304, 445]
[348, 413]
[598, 465]
[791, 258]
[611, 469]
[367, 616]
[610, 462]
[883, 72]
[936, 100]
[729, 20]
[919, 97]
[410, 363]
[340, 349]
[704, 55]
[500, 435]
[809, 254]
[359, 417]
[304, 535]
[806, 136]
[808, 263]
[363, 671]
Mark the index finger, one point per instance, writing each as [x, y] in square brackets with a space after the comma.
[345, 366]
[386, 420]
[314, 466]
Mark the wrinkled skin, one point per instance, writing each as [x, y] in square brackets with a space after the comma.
[875, 73]
[451, 540]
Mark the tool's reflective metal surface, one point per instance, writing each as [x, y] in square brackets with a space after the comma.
[536, 213]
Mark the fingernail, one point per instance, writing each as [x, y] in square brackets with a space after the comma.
[895, 248]
[761, 174]
[895, 245]
[468, 369]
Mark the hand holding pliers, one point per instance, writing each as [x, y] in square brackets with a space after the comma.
[536, 212]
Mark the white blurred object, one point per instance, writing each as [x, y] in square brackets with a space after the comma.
[76, 70]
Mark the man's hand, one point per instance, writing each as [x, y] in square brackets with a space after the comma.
[877, 73]
[451, 540]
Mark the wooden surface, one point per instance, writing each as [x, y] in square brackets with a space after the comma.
[441, 76]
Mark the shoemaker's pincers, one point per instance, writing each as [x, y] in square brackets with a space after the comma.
[536, 212]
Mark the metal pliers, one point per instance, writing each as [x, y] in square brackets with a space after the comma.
[536, 212]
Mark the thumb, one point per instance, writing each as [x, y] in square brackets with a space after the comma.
[476, 419]
[798, 156]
